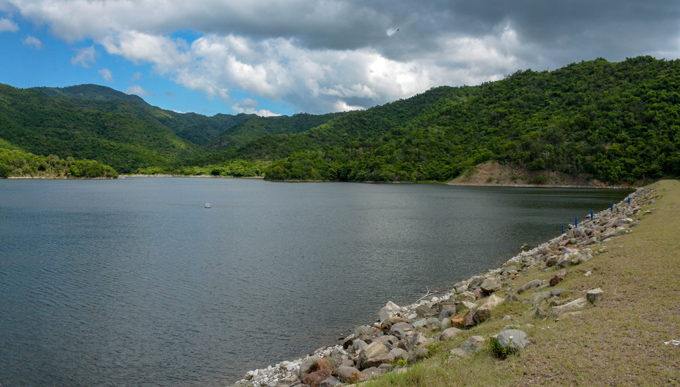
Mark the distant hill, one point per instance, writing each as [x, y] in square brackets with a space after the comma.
[92, 92]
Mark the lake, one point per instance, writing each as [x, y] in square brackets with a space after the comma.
[134, 282]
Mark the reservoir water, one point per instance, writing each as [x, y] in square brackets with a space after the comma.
[133, 282]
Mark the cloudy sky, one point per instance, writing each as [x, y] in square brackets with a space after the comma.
[283, 57]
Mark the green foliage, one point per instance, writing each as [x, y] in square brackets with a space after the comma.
[498, 351]
[616, 122]
[14, 163]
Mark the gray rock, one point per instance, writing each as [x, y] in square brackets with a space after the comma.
[459, 352]
[595, 295]
[348, 374]
[348, 341]
[425, 311]
[447, 311]
[476, 281]
[570, 307]
[420, 323]
[529, 285]
[388, 311]
[399, 353]
[538, 297]
[556, 292]
[551, 261]
[433, 322]
[466, 296]
[400, 330]
[483, 313]
[449, 333]
[460, 287]
[358, 345]
[306, 365]
[418, 355]
[414, 341]
[376, 361]
[490, 285]
[365, 330]
[445, 324]
[389, 341]
[329, 382]
[372, 350]
[513, 338]
[371, 373]
[511, 298]
[473, 344]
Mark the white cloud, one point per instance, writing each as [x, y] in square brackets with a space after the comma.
[249, 106]
[84, 57]
[138, 90]
[106, 74]
[32, 41]
[342, 106]
[8, 25]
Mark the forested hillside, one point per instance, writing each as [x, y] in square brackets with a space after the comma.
[618, 122]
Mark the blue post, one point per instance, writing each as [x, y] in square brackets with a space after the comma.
[591, 215]
[612, 206]
[576, 222]
[628, 200]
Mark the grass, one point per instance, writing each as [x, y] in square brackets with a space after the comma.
[618, 341]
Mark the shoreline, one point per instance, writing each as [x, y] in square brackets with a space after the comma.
[406, 335]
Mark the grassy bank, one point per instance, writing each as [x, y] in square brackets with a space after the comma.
[617, 341]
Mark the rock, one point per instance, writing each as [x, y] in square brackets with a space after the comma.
[447, 312]
[449, 333]
[540, 314]
[458, 352]
[457, 322]
[466, 296]
[420, 323]
[418, 355]
[389, 341]
[365, 330]
[329, 382]
[349, 374]
[415, 341]
[376, 361]
[595, 295]
[490, 285]
[371, 373]
[446, 323]
[399, 353]
[348, 341]
[513, 338]
[479, 293]
[425, 311]
[306, 366]
[510, 298]
[372, 350]
[538, 297]
[570, 307]
[556, 292]
[358, 345]
[476, 281]
[460, 287]
[588, 273]
[321, 364]
[469, 319]
[473, 344]
[483, 313]
[389, 310]
[469, 305]
[558, 277]
[315, 378]
[551, 261]
[386, 325]
[400, 330]
[433, 322]
[529, 285]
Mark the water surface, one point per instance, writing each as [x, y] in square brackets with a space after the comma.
[134, 282]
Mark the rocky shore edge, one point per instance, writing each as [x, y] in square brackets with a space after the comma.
[407, 334]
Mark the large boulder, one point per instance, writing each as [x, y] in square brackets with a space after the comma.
[476, 281]
[466, 296]
[483, 313]
[400, 330]
[388, 311]
[418, 355]
[349, 374]
[490, 285]
[558, 277]
[376, 361]
[570, 307]
[315, 378]
[449, 333]
[513, 338]
[529, 285]
[595, 295]
[386, 325]
[371, 351]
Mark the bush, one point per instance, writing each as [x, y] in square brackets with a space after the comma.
[498, 351]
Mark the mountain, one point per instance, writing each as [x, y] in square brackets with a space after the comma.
[615, 122]
[92, 92]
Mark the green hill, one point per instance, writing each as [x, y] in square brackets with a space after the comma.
[617, 122]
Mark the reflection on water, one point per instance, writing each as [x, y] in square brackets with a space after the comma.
[134, 282]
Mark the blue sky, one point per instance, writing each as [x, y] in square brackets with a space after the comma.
[271, 57]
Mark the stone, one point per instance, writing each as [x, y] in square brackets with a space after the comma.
[466, 296]
[376, 361]
[315, 378]
[418, 355]
[447, 312]
[372, 350]
[371, 373]
[387, 311]
[420, 323]
[595, 295]
[306, 365]
[569, 307]
[556, 292]
[538, 297]
[358, 345]
[558, 277]
[399, 353]
[329, 382]
[513, 338]
[511, 298]
[490, 285]
[446, 323]
[386, 325]
[469, 305]
[450, 333]
[552, 260]
[365, 330]
[415, 341]
[321, 364]
[460, 287]
[348, 341]
[458, 352]
[389, 341]
[433, 322]
[473, 344]
[349, 374]
[457, 322]
[479, 293]
[529, 285]
[483, 313]
[469, 319]
[476, 281]
[425, 311]
[400, 330]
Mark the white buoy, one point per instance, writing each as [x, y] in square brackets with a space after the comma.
[207, 205]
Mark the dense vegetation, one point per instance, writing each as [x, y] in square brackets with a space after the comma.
[615, 122]
[15, 163]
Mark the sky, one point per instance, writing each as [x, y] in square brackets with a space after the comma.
[273, 57]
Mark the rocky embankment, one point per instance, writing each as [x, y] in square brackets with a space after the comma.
[407, 334]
